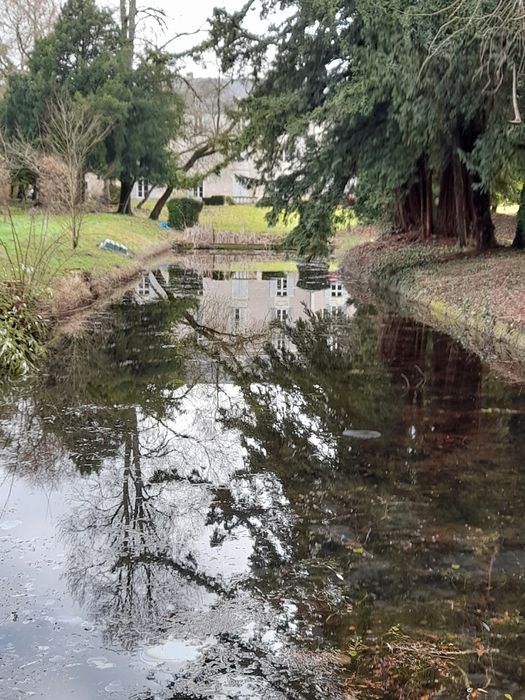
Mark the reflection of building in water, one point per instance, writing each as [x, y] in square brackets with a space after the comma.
[151, 287]
[167, 280]
[257, 298]
[243, 300]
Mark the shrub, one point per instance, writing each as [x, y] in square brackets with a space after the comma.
[216, 200]
[230, 201]
[183, 213]
[5, 183]
[25, 279]
[113, 192]
[53, 184]
[23, 332]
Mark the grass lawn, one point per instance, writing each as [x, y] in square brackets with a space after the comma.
[138, 234]
[237, 218]
[243, 218]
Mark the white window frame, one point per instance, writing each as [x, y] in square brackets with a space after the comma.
[336, 290]
[282, 287]
[142, 188]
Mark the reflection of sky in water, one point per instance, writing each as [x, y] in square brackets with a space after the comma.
[43, 628]
[195, 520]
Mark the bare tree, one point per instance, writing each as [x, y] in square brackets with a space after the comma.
[72, 131]
[128, 27]
[22, 23]
[202, 146]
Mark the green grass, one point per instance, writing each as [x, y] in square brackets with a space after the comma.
[245, 218]
[242, 218]
[237, 218]
[272, 266]
[138, 234]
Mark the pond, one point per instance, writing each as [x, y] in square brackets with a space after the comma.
[240, 482]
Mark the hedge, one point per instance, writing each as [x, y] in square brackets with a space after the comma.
[216, 200]
[183, 212]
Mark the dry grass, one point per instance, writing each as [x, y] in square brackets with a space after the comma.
[203, 236]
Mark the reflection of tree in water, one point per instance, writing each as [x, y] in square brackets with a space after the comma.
[384, 527]
[354, 535]
[130, 541]
[313, 276]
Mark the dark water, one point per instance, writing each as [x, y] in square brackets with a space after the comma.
[197, 504]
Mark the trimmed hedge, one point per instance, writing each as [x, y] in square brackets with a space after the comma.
[183, 212]
[216, 200]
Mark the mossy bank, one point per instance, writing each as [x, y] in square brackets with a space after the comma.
[478, 299]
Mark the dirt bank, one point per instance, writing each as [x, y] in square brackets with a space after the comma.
[478, 299]
[79, 292]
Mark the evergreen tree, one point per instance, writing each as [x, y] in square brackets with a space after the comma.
[84, 57]
[346, 97]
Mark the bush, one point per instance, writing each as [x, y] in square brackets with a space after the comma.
[229, 201]
[216, 200]
[183, 213]
[5, 183]
[53, 184]
[23, 332]
[114, 193]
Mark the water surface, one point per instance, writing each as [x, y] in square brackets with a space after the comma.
[240, 482]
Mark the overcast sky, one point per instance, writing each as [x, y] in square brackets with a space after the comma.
[189, 16]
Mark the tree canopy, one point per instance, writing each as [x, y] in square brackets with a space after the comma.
[353, 96]
[87, 57]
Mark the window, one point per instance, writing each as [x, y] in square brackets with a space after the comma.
[198, 191]
[336, 289]
[142, 188]
[282, 287]
[143, 286]
[236, 318]
[279, 341]
[333, 312]
[281, 315]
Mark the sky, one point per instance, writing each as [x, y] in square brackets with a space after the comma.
[190, 16]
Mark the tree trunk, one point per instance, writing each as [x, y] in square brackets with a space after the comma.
[462, 187]
[124, 205]
[519, 238]
[408, 209]
[426, 217]
[414, 210]
[446, 219]
[157, 209]
[483, 226]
